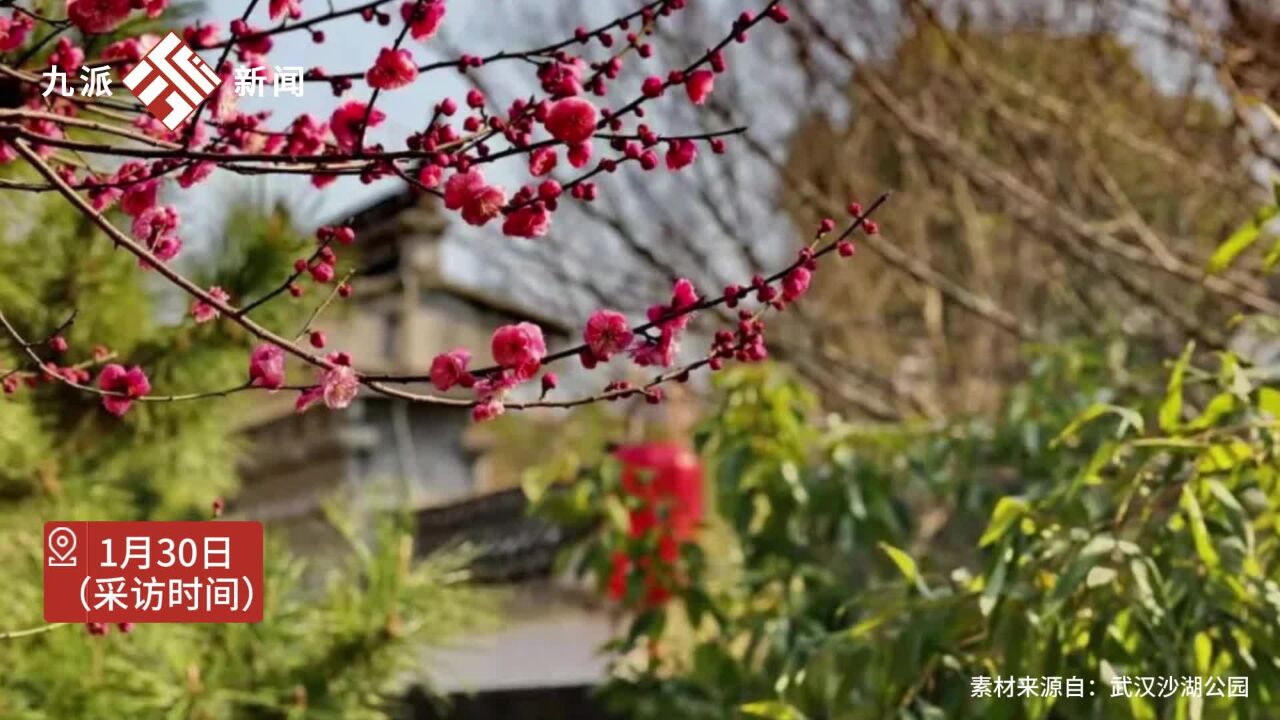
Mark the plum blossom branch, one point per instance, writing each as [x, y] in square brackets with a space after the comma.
[520, 351]
[319, 310]
[470, 61]
[146, 256]
[71, 376]
[417, 7]
[28, 632]
[355, 162]
[575, 350]
[443, 158]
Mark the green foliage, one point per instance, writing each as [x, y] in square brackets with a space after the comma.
[1097, 527]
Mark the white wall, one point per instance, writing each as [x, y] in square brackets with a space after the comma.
[549, 639]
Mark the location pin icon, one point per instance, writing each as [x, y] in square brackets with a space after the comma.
[62, 542]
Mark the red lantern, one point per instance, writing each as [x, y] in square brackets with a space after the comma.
[666, 480]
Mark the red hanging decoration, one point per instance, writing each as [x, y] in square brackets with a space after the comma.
[666, 479]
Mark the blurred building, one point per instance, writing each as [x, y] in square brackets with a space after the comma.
[383, 454]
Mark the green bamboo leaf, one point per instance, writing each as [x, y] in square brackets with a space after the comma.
[994, 582]
[772, 710]
[867, 626]
[905, 564]
[1171, 408]
[1142, 583]
[1269, 401]
[1128, 417]
[1199, 531]
[1203, 652]
[1008, 510]
[1236, 243]
[1225, 497]
[1273, 256]
[1222, 457]
[1169, 443]
[1220, 406]
[1091, 473]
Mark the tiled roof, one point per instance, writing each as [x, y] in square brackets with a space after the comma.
[510, 544]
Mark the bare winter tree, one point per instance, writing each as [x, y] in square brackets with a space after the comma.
[1035, 147]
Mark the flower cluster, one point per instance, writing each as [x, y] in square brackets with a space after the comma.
[266, 367]
[423, 18]
[670, 320]
[478, 201]
[97, 17]
[336, 384]
[14, 31]
[202, 311]
[99, 629]
[121, 387]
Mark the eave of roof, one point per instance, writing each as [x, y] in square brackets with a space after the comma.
[373, 218]
[510, 543]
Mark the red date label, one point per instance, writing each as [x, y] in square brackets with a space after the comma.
[139, 572]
